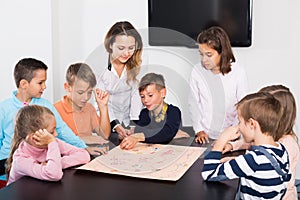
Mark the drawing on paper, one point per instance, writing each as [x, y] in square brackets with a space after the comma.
[154, 161]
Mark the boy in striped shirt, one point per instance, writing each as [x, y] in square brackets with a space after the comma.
[264, 169]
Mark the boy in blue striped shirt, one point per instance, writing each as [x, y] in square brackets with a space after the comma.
[264, 169]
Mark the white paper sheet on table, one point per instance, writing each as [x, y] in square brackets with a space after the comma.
[152, 161]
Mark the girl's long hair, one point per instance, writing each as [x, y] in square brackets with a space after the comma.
[288, 104]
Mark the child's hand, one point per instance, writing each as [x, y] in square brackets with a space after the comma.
[202, 137]
[96, 151]
[131, 130]
[122, 133]
[228, 147]
[104, 148]
[230, 133]
[128, 132]
[101, 97]
[42, 138]
[129, 142]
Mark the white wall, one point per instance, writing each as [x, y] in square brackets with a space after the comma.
[61, 32]
[25, 32]
[82, 25]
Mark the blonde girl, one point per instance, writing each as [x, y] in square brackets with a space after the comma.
[36, 151]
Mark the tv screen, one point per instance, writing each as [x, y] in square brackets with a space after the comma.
[178, 22]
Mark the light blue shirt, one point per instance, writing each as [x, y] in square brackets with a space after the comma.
[8, 111]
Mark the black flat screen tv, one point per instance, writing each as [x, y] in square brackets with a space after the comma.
[178, 22]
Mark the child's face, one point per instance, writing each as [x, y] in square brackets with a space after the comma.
[245, 129]
[210, 58]
[123, 48]
[79, 93]
[37, 85]
[152, 98]
[51, 128]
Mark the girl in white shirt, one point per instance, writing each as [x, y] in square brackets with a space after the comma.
[216, 85]
[124, 45]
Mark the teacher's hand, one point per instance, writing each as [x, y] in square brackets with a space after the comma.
[202, 137]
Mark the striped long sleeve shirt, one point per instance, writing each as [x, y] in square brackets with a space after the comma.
[259, 179]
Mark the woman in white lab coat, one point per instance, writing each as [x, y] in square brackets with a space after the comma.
[124, 45]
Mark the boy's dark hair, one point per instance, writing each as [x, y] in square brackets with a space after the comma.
[263, 108]
[26, 68]
[152, 78]
[81, 71]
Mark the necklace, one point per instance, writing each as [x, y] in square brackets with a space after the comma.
[162, 114]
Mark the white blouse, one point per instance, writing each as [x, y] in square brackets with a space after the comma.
[213, 98]
[124, 101]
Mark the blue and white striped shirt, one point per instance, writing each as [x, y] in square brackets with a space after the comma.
[259, 179]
